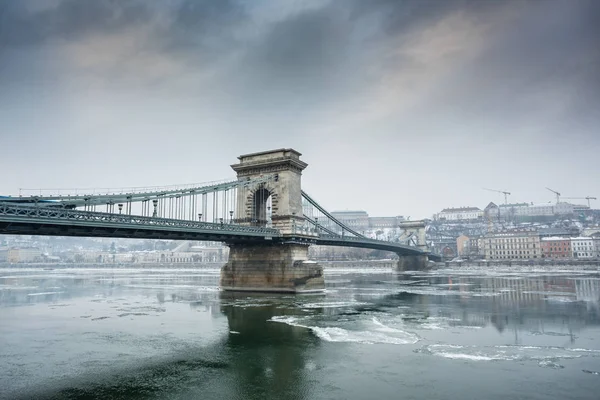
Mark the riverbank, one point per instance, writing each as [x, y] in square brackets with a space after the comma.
[591, 264]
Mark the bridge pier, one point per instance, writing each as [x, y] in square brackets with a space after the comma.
[271, 268]
[413, 263]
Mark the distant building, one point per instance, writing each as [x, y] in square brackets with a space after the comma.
[468, 246]
[591, 231]
[583, 247]
[536, 210]
[357, 220]
[491, 212]
[510, 210]
[459, 214]
[512, 245]
[385, 222]
[24, 255]
[476, 246]
[596, 239]
[556, 247]
[564, 209]
[462, 245]
[550, 232]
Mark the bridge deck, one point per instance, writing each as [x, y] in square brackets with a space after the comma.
[30, 220]
[49, 221]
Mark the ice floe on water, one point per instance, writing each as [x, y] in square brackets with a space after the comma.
[17, 287]
[546, 356]
[333, 334]
[196, 288]
[587, 371]
[431, 291]
[365, 332]
[333, 304]
[420, 322]
[550, 364]
[43, 293]
[355, 270]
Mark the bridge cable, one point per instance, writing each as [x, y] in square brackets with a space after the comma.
[331, 217]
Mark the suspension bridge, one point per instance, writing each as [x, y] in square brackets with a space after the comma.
[263, 215]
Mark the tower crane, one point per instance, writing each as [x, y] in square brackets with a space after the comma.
[588, 198]
[556, 193]
[505, 193]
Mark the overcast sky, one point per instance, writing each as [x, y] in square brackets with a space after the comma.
[398, 107]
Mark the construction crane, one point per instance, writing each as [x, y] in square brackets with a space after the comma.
[500, 191]
[588, 198]
[556, 193]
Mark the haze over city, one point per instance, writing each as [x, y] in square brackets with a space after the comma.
[399, 108]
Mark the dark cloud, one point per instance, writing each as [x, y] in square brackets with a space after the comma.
[300, 62]
[203, 28]
[69, 19]
[543, 67]
[385, 82]
[205, 16]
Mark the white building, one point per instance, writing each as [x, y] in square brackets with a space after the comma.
[536, 210]
[509, 210]
[459, 214]
[596, 239]
[583, 247]
[563, 208]
[358, 220]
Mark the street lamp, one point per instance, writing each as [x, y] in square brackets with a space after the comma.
[200, 217]
[120, 208]
[231, 217]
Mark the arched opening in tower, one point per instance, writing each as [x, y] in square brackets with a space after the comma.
[261, 208]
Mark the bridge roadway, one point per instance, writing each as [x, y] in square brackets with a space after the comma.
[49, 221]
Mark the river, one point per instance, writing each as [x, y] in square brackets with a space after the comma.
[374, 334]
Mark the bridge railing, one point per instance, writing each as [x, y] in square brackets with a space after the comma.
[31, 212]
[353, 239]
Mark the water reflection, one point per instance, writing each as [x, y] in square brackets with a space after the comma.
[268, 359]
[148, 316]
[155, 334]
[534, 304]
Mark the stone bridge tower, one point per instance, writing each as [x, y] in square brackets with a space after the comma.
[282, 265]
[416, 262]
[285, 193]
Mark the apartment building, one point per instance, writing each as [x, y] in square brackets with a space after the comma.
[583, 247]
[512, 245]
[555, 247]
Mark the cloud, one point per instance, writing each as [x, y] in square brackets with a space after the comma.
[385, 83]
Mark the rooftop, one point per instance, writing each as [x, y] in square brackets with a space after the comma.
[514, 205]
[350, 212]
[262, 153]
[461, 209]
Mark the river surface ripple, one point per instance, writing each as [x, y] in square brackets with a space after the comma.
[171, 333]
